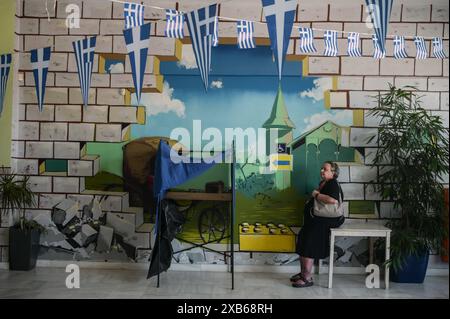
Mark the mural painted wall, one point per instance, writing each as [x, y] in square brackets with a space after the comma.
[75, 156]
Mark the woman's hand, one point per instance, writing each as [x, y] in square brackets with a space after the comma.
[315, 193]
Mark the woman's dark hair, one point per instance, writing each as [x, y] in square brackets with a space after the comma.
[334, 168]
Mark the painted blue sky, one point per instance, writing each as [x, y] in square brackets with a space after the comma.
[243, 87]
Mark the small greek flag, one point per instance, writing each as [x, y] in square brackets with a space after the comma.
[331, 45]
[137, 40]
[438, 48]
[421, 49]
[353, 48]
[133, 14]
[84, 55]
[40, 60]
[215, 40]
[174, 25]
[399, 47]
[307, 40]
[5, 66]
[378, 53]
[245, 31]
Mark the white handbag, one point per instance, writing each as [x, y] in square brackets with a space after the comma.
[321, 209]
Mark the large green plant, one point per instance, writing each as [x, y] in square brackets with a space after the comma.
[16, 195]
[414, 148]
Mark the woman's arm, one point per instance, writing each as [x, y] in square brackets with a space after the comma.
[326, 199]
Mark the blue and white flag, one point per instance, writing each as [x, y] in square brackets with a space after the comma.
[40, 60]
[216, 33]
[137, 41]
[378, 53]
[84, 55]
[174, 25]
[331, 45]
[438, 48]
[399, 47]
[280, 15]
[421, 48]
[133, 14]
[380, 13]
[353, 48]
[306, 40]
[201, 27]
[5, 66]
[245, 31]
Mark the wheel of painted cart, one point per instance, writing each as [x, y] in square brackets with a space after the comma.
[212, 225]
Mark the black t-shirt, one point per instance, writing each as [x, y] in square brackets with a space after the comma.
[332, 188]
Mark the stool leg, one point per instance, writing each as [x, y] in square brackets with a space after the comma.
[330, 266]
[386, 270]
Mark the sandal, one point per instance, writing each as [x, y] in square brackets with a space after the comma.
[296, 277]
[306, 283]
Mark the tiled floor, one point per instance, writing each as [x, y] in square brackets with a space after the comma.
[98, 283]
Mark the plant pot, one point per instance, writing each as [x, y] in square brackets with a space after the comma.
[23, 248]
[413, 271]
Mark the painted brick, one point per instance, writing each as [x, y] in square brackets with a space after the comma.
[350, 83]
[404, 29]
[35, 8]
[91, 9]
[17, 148]
[388, 211]
[37, 41]
[344, 174]
[53, 131]
[416, 13]
[353, 191]
[72, 67]
[67, 79]
[50, 200]
[444, 115]
[429, 67]
[81, 132]
[119, 45]
[76, 98]
[363, 99]
[371, 120]
[64, 43]
[96, 114]
[162, 47]
[80, 168]
[108, 133]
[438, 84]
[358, 27]
[378, 82]
[338, 99]
[429, 100]
[39, 149]
[81, 199]
[68, 113]
[28, 131]
[444, 101]
[126, 80]
[67, 150]
[359, 66]
[123, 115]
[111, 27]
[66, 184]
[62, 7]
[29, 79]
[339, 12]
[40, 184]
[27, 26]
[25, 166]
[104, 44]
[363, 173]
[371, 193]
[362, 137]
[430, 29]
[439, 13]
[247, 10]
[418, 82]
[392, 66]
[445, 66]
[53, 27]
[100, 80]
[47, 114]
[110, 97]
[323, 65]
[112, 203]
[87, 27]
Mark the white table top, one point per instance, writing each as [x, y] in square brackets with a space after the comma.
[360, 227]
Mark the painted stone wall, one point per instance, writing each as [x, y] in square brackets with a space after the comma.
[61, 132]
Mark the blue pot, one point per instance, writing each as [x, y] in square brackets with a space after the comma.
[413, 271]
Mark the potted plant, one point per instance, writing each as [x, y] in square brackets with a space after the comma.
[414, 150]
[24, 235]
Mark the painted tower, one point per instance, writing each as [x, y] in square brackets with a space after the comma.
[279, 120]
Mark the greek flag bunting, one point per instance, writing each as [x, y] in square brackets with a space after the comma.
[133, 14]
[245, 31]
[40, 60]
[378, 53]
[5, 66]
[174, 25]
[137, 40]
[201, 28]
[421, 48]
[280, 16]
[438, 48]
[306, 40]
[84, 56]
[331, 45]
[353, 48]
[399, 47]
[380, 13]
[216, 33]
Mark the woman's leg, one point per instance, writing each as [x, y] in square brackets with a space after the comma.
[307, 264]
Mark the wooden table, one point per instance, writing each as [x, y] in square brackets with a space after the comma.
[360, 230]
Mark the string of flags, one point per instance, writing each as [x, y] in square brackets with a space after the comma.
[203, 26]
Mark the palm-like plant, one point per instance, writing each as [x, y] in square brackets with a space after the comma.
[414, 145]
[16, 195]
